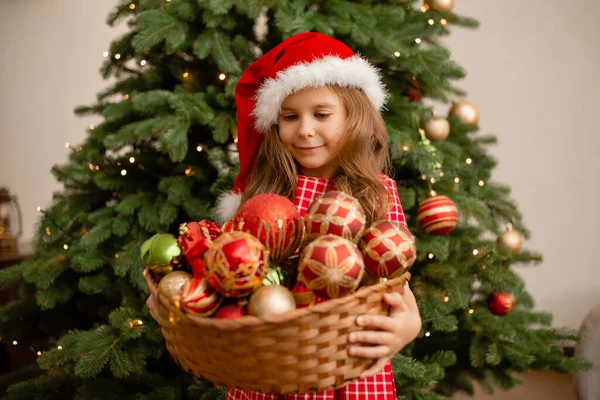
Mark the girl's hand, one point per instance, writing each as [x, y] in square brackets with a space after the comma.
[396, 330]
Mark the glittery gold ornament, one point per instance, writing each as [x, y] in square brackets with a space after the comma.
[436, 128]
[512, 240]
[466, 112]
[271, 300]
[440, 5]
[171, 285]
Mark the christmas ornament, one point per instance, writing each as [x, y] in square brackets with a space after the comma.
[303, 296]
[171, 285]
[236, 264]
[512, 240]
[274, 220]
[230, 311]
[271, 300]
[388, 249]
[199, 297]
[160, 253]
[437, 215]
[501, 303]
[331, 266]
[335, 213]
[415, 90]
[227, 226]
[466, 112]
[194, 239]
[436, 128]
[445, 6]
[280, 275]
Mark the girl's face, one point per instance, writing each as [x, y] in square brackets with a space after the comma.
[311, 124]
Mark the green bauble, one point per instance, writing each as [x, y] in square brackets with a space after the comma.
[160, 250]
[280, 275]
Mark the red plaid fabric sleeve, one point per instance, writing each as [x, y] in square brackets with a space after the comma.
[395, 212]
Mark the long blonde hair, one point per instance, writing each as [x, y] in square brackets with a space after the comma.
[364, 155]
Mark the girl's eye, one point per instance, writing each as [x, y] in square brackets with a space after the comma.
[289, 117]
[322, 115]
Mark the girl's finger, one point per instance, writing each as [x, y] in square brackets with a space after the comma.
[373, 352]
[382, 322]
[375, 369]
[371, 337]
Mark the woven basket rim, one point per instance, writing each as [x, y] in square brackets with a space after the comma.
[252, 321]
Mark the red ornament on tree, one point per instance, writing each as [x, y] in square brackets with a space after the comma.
[331, 266]
[437, 215]
[501, 303]
[236, 264]
[274, 220]
[194, 239]
[199, 297]
[388, 249]
[335, 213]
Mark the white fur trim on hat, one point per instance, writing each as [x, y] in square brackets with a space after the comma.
[331, 70]
[227, 205]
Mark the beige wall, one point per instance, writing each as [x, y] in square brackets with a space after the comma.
[531, 72]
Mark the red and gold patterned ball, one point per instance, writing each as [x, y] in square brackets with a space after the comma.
[274, 220]
[227, 226]
[335, 213]
[199, 297]
[388, 249]
[437, 215]
[194, 239]
[331, 266]
[236, 264]
[501, 303]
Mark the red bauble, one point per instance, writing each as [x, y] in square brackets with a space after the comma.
[230, 311]
[335, 213]
[274, 220]
[199, 297]
[331, 266]
[437, 215]
[501, 303]
[388, 249]
[236, 264]
[227, 226]
[194, 239]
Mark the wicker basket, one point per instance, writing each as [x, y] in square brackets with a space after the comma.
[301, 351]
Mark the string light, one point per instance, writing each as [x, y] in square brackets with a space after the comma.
[483, 267]
[39, 209]
[442, 173]
[456, 180]
[397, 54]
[97, 168]
[39, 353]
[443, 21]
[432, 180]
[66, 246]
[105, 54]
[222, 77]
[198, 148]
[59, 347]
[471, 311]
[116, 255]
[235, 140]
[123, 172]
[431, 256]
[427, 334]
[143, 62]
[132, 159]
[126, 96]
[92, 127]
[78, 149]
[481, 183]
[132, 6]
[48, 231]
[67, 145]
[189, 170]
[15, 343]
[117, 56]
[424, 8]
[431, 21]
[418, 40]
[91, 166]
[475, 252]
[186, 74]
[446, 299]
[433, 193]
[469, 161]
[405, 148]
[140, 322]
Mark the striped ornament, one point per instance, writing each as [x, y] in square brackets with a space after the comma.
[437, 215]
[199, 297]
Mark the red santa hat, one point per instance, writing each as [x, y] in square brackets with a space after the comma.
[305, 60]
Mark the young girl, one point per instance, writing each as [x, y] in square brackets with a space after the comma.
[309, 122]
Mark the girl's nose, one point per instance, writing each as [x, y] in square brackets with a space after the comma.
[306, 130]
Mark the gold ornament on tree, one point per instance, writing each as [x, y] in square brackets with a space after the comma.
[436, 128]
[440, 5]
[511, 240]
[465, 112]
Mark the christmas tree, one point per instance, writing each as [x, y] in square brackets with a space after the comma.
[166, 149]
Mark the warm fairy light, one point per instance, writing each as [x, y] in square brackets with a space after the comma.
[405, 148]
[39, 353]
[481, 183]
[422, 131]
[91, 166]
[97, 168]
[483, 267]
[469, 161]
[105, 54]
[59, 347]
[397, 54]
[188, 170]
[423, 177]
[432, 180]
[117, 56]
[132, 6]
[471, 311]
[198, 148]
[132, 159]
[48, 232]
[66, 246]
[443, 22]
[433, 193]
[78, 149]
[475, 252]
[126, 96]
[15, 343]
[427, 334]
[431, 256]
[119, 163]
[117, 255]
[235, 140]
[418, 40]
[140, 322]
[446, 299]
[222, 77]
[143, 62]
[92, 127]
[431, 21]
[186, 74]
[123, 172]
[67, 145]
[424, 8]
[39, 209]
[456, 180]
[442, 173]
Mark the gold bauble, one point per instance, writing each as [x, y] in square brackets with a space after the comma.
[440, 5]
[512, 240]
[436, 128]
[171, 284]
[271, 300]
[466, 112]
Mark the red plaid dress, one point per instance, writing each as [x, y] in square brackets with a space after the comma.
[378, 387]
